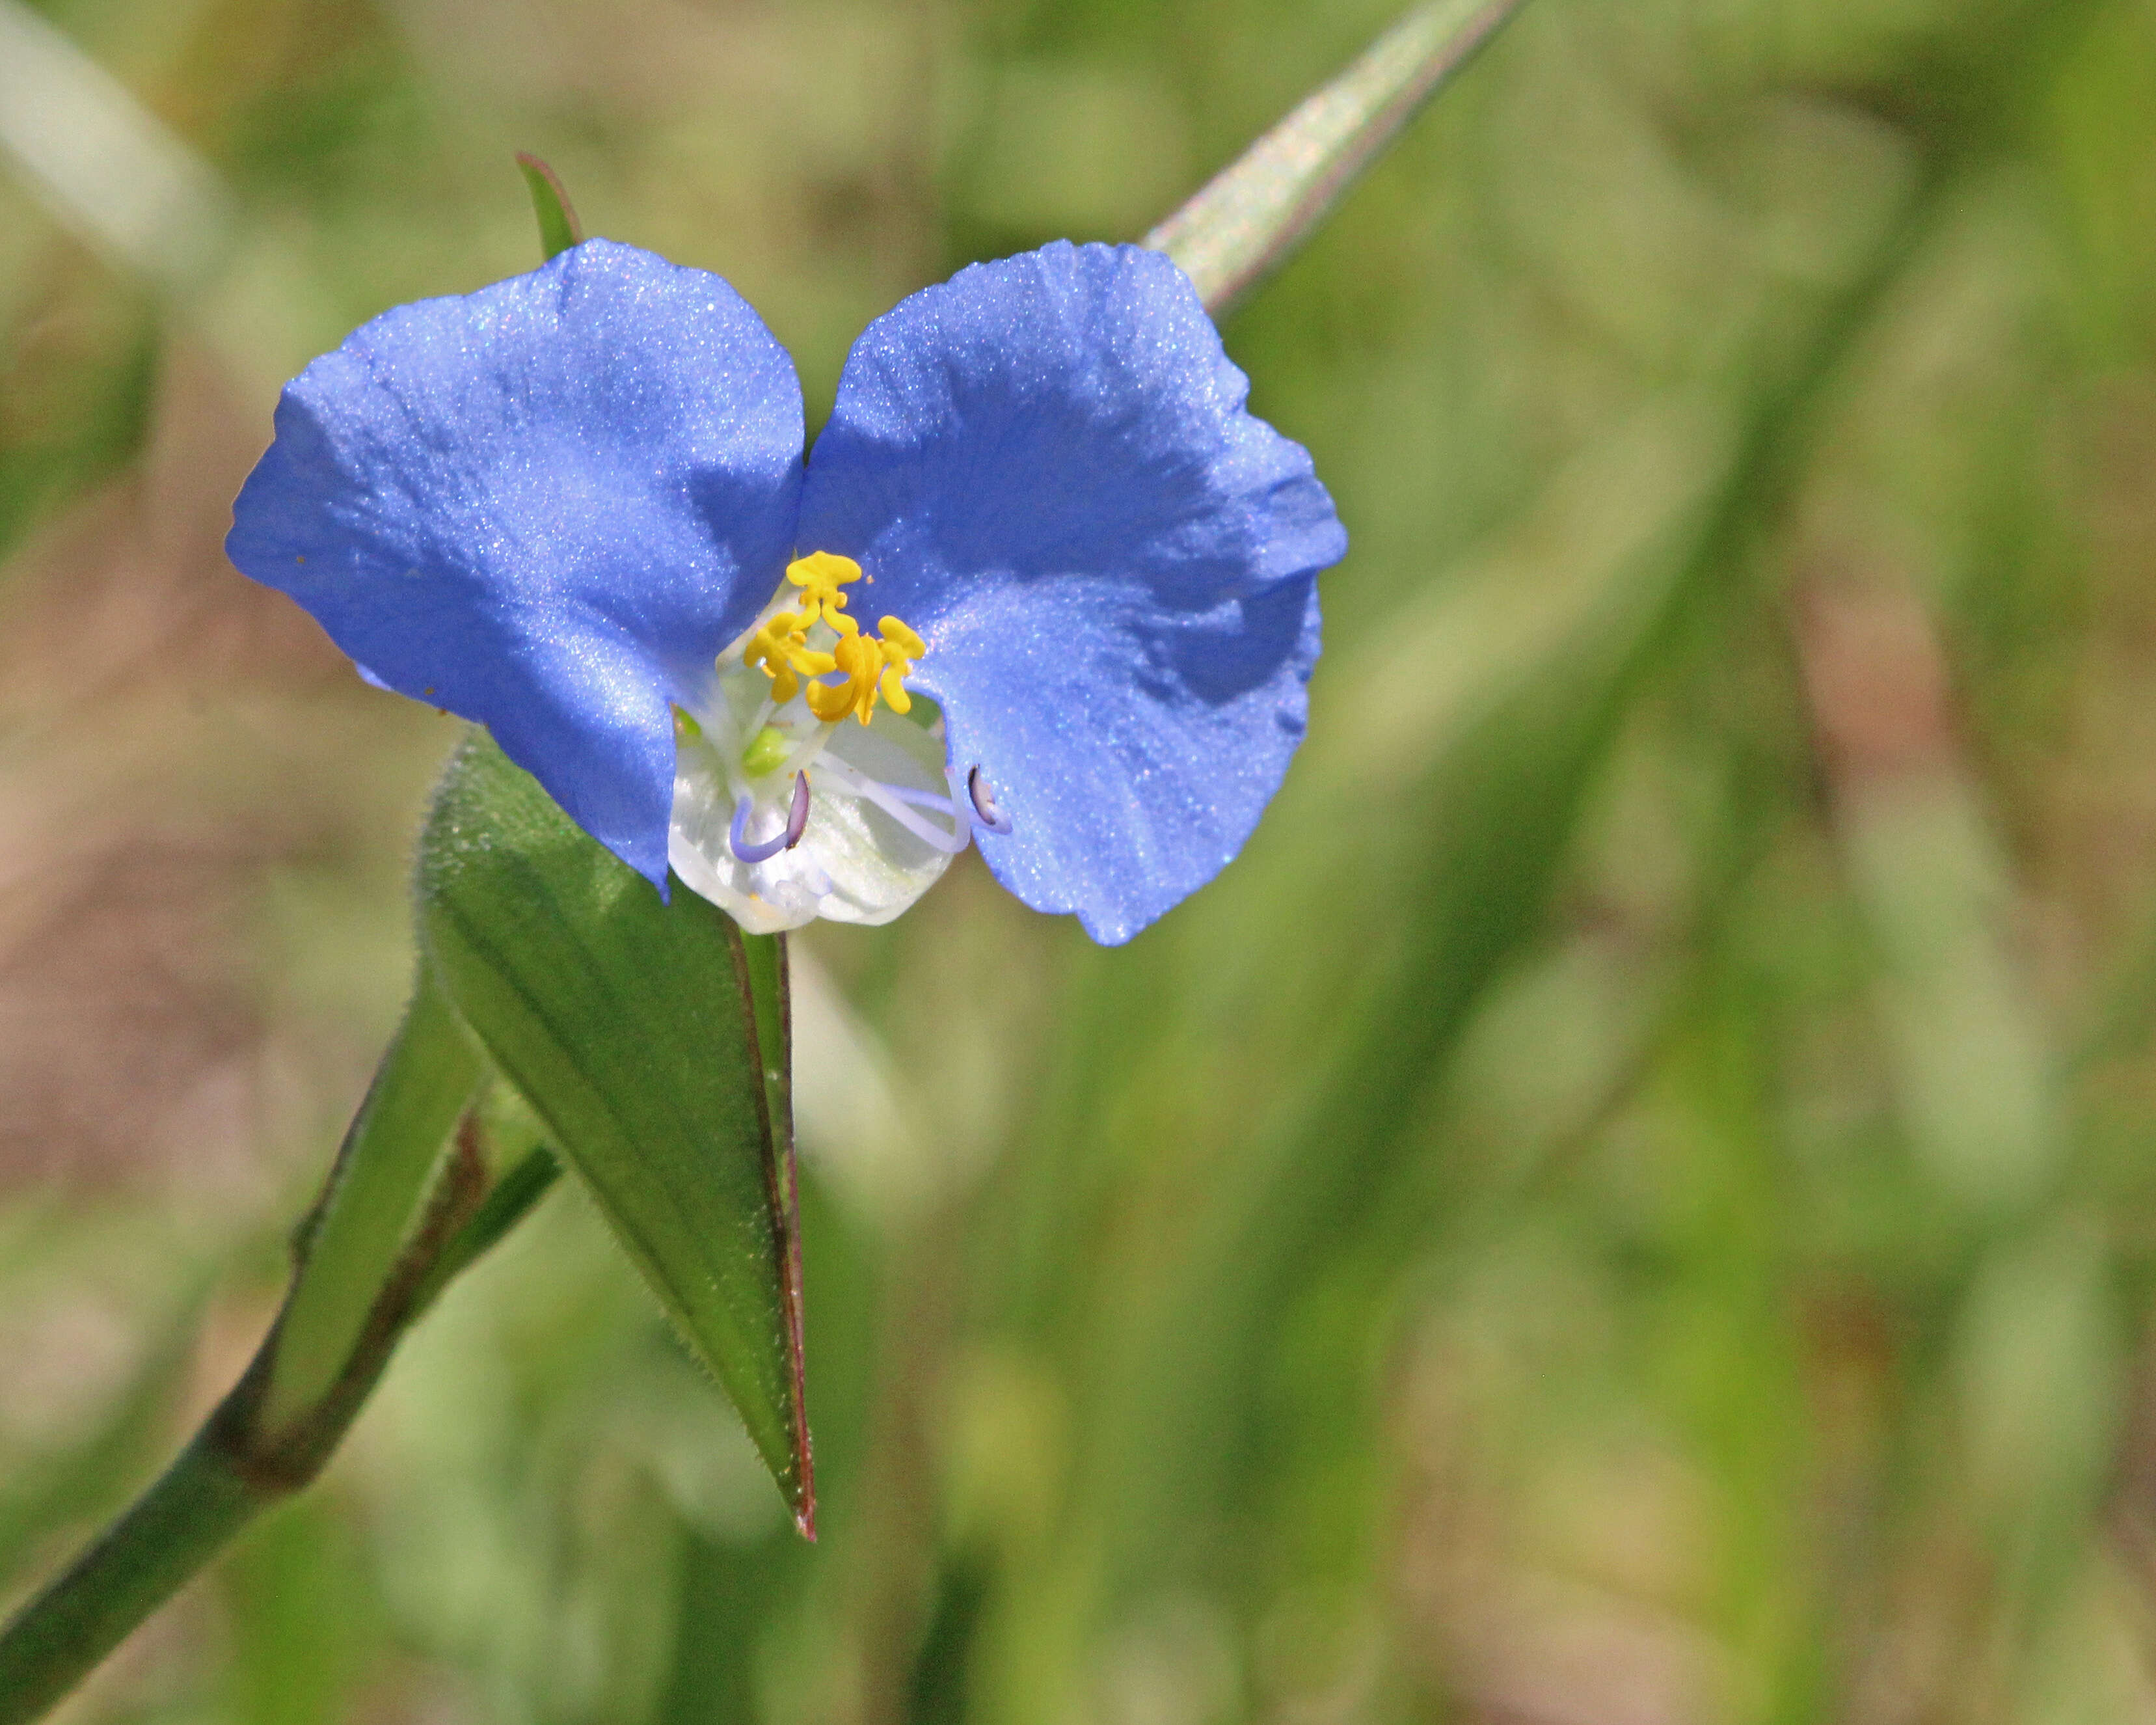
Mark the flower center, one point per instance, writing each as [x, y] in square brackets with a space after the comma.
[868, 666]
[771, 740]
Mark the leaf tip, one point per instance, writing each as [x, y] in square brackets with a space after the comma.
[802, 1494]
[558, 226]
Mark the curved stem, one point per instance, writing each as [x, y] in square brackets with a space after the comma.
[350, 1246]
[1246, 221]
[399, 1218]
[140, 1561]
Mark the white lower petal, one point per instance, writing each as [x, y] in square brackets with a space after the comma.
[854, 863]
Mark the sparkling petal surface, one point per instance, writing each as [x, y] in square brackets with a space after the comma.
[1046, 465]
[544, 505]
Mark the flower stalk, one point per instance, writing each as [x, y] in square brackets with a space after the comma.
[1250, 217]
[407, 1206]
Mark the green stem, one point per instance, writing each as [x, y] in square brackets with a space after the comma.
[398, 1218]
[504, 1206]
[368, 1208]
[1246, 221]
[140, 1562]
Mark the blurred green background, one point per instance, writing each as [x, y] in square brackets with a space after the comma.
[1630, 1203]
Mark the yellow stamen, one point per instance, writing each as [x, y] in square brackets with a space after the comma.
[819, 576]
[860, 662]
[781, 647]
[871, 666]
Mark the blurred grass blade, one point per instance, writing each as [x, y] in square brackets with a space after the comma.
[1935, 888]
[1502, 795]
[1502, 800]
[629, 1026]
[102, 162]
[558, 226]
[1250, 217]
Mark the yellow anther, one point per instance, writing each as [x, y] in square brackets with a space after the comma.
[901, 648]
[819, 576]
[781, 647]
[861, 664]
[872, 667]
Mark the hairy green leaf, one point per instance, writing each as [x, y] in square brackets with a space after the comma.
[629, 1025]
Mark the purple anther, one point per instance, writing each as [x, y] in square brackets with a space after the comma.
[797, 822]
[987, 813]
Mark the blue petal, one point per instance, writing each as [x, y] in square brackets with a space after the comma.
[1046, 466]
[544, 506]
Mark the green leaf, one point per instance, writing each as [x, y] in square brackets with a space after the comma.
[630, 1027]
[558, 226]
[770, 988]
[375, 1195]
[1247, 220]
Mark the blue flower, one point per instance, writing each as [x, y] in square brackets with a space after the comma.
[573, 507]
